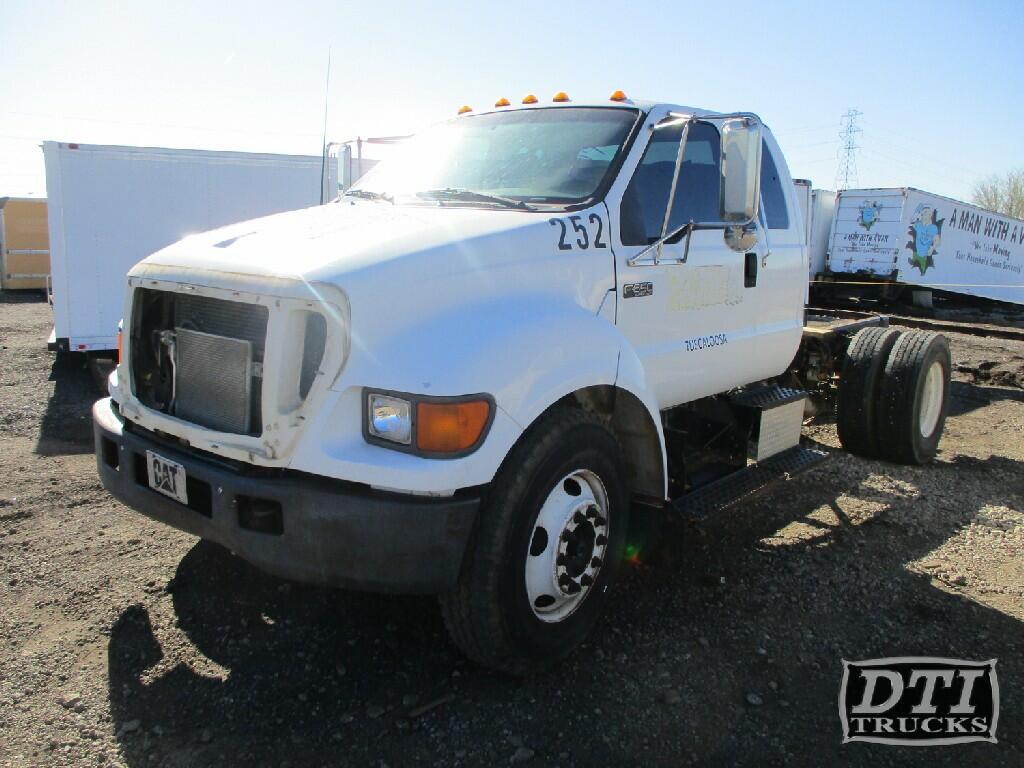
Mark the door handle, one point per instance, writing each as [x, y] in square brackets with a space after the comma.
[750, 270]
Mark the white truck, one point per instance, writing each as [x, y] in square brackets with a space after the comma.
[904, 236]
[473, 365]
[110, 206]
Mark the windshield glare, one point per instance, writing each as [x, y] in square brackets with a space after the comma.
[555, 155]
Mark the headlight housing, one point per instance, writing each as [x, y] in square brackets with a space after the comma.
[434, 427]
[389, 418]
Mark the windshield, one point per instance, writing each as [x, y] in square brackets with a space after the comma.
[520, 158]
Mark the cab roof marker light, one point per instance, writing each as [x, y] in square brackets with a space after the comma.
[464, 109]
[560, 96]
[529, 99]
[618, 96]
[502, 102]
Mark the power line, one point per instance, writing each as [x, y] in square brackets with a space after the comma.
[847, 171]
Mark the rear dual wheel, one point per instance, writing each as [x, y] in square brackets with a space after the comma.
[546, 547]
[894, 394]
[914, 398]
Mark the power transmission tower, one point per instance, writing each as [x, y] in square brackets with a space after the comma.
[847, 172]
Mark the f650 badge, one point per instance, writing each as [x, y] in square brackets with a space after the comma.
[637, 290]
[919, 700]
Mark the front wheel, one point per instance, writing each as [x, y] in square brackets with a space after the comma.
[546, 547]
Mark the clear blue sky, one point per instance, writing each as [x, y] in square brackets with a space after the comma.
[941, 84]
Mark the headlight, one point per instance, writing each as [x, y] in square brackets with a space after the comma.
[429, 426]
[390, 418]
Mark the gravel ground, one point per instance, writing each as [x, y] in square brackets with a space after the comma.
[123, 642]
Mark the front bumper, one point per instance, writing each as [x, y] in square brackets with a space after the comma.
[291, 524]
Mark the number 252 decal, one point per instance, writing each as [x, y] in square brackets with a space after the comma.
[583, 236]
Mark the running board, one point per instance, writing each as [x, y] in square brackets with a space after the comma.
[743, 484]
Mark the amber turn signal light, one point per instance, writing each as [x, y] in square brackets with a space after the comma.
[120, 342]
[450, 427]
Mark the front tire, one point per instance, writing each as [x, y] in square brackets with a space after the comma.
[546, 547]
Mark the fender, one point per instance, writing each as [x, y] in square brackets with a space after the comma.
[527, 350]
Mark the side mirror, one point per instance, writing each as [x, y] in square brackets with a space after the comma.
[741, 170]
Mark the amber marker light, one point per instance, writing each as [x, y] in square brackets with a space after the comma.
[502, 102]
[618, 96]
[529, 99]
[560, 96]
[120, 343]
[450, 427]
[464, 109]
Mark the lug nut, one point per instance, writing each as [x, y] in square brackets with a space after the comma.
[565, 536]
[560, 560]
[601, 540]
[595, 562]
[573, 588]
[578, 518]
[585, 580]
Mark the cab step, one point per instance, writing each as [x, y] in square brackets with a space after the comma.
[767, 397]
[742, 485]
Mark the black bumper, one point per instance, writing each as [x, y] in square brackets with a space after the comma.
[294, 525]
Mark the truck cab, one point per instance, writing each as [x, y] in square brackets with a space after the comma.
[474, 363]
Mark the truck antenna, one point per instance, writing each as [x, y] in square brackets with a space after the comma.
[323, 156]
[847, 171]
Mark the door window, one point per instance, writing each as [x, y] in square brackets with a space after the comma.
[697, 193]
[772, 196]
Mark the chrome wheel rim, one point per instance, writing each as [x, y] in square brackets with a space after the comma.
[931, 400]
[568, 545]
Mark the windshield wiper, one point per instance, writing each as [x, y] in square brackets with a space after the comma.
[453, 193]
[367, 194]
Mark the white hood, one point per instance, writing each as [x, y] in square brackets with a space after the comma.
[326, 242]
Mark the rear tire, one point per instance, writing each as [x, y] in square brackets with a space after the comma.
[914, 398]
[859, 387]
[566, 468]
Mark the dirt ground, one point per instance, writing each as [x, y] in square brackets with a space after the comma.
[126, 643]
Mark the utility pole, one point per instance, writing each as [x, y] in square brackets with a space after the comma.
[847, 172]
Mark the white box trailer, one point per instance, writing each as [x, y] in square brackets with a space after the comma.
[916, 238]
[817, 207]
[111, 206]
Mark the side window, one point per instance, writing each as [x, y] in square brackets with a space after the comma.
[771, 192]
[697, 194]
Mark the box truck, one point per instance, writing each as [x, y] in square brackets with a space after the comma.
[24, 244]
[906, 236]
[463, 376]
[110, 206]
[816, 209]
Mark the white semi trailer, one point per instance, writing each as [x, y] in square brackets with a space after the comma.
[110, 206]
[905, 236]
[461, 377]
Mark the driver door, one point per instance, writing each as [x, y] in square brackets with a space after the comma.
[692, 316]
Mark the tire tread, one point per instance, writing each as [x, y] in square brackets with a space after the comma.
[897, 413]
[859, 382]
